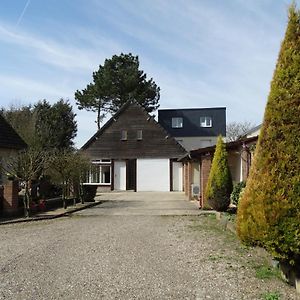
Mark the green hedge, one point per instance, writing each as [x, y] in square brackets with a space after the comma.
[236, 192]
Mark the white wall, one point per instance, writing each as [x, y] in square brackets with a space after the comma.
[153, 175]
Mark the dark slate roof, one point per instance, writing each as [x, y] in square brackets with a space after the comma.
[9, 139]
[191, 121]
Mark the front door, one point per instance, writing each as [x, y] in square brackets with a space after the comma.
[177, 176]
[131, 174]
[120, 175]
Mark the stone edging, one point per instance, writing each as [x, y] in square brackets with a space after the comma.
[51, 217]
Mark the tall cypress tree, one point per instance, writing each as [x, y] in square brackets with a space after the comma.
[269, 211]
[219, 184]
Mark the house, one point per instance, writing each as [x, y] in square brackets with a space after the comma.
[196, 127]
[198, 163]
[10, 144]
[133, 152]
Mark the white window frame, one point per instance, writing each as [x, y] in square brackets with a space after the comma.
[99, 163]
[177, 122]
[206, 121]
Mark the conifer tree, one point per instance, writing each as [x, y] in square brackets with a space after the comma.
[269, 210]
[219, 185]
[117, 81]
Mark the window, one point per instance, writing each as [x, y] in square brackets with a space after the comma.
[177, 122]
[205, 122]
[139, 135]
[124, 135]
[100, 172]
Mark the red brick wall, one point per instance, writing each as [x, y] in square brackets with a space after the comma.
[205, 169]
[10, 197]
[188, 172]
[185, 176]
[190, 179]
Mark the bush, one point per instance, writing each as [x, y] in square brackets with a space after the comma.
[236, 192]
[269, 209]
[219, 184]
[89, 192]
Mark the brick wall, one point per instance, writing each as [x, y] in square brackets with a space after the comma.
[205, 169]
[10, 197]
[188, 177]
[185, 178]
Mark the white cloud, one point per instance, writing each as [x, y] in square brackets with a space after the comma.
[26, 88]
[201, 54]
[66, 56]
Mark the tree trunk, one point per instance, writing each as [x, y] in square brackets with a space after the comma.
[81, 193]
[99, 117]
[64, 196]
[26, 201]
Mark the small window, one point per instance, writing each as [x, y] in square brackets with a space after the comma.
[177, 122]
[139, 135]
[205, 122]
[124, 135]
[105, 160]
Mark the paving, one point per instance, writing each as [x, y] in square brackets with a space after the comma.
[144, 203]
[132, 246]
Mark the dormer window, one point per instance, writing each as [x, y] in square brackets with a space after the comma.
[205, 122]
[124, 135]
[177, 122]
[139, 135]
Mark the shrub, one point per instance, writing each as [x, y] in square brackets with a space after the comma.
[219, 184]
[269, 209]
[236, 192]
[89, 192]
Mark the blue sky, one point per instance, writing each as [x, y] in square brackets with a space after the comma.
[202, 53]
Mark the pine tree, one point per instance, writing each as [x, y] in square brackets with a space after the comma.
[269, 211]
[219, 185]
[116, 82]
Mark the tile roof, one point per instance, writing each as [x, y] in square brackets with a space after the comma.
[9, 139]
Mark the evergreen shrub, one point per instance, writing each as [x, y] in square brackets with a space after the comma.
[269, 209]
[236, 192]
[219, 184]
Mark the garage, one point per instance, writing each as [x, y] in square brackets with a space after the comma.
[153, 175]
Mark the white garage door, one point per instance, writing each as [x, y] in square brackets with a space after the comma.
[153, 175]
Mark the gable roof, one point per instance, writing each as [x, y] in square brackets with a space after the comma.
[252, 131]
[106, 125]
[132, 116]
[9, 138]
[229, 146]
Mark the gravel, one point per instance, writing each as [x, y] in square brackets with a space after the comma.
[92, 256]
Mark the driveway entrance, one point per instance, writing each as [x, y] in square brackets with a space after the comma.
[143, 203]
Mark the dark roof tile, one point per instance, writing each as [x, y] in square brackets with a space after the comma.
[8, 137]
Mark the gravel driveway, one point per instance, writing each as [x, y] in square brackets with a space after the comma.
[101, 253]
